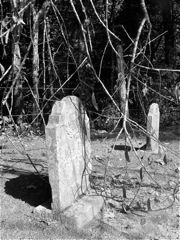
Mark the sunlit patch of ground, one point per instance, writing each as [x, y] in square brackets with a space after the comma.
[21, 190]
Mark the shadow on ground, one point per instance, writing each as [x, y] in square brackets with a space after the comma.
[30, 188]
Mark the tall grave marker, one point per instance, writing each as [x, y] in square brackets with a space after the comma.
[68, 147]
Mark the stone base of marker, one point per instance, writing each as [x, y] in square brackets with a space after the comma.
[81, 213]
[84, 210]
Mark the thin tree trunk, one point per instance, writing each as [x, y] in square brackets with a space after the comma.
[169, 26]
[17, 104]
[35, 40]
[121, 82]
[37, 14]
[113, 70]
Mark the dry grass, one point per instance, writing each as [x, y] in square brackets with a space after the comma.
[21, 190]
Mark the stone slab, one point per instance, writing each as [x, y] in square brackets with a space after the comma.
[84, 210]
[68, 151]
[81, 213]
[42, 210]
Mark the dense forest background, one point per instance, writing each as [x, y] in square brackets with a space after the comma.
[117, 56]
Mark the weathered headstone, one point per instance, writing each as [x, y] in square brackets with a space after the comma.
[153, 128]
[68, 149]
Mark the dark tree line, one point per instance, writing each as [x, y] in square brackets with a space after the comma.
[123, 54]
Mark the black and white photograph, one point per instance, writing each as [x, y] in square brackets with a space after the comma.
[89, 119]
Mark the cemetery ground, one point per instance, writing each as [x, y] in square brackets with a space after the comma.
[152, 196]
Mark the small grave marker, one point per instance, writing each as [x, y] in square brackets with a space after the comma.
[153, 128]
